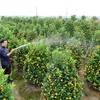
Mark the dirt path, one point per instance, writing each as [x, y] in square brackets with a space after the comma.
[16, 93]
[90, 94]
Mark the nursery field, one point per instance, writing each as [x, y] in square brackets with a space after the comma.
[54, 58]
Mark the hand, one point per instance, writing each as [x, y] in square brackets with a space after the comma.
[12, 50]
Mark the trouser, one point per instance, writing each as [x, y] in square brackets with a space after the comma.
[7, 70]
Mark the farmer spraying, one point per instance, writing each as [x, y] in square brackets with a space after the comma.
[5, 58]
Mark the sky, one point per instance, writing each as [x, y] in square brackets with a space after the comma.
[49, 7]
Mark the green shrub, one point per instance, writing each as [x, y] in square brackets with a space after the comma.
[35, 63]
[5, 88]
[96, 37]
[62, 81]
[6, 33]
[75, 46]
[92, 69]
[19, 55]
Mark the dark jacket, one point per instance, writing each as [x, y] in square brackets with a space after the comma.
[5, 60]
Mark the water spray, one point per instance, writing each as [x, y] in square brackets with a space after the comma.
[53, 40]
[46, 41]
[22, 46]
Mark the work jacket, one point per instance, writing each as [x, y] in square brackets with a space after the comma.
[5, 60]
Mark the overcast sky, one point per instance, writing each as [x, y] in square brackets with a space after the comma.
[49, 7]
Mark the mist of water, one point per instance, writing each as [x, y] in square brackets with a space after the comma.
[72, 42]
[46, 41]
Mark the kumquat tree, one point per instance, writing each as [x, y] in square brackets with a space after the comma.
[5, 88]
[35, 64]
[92, 69]
[62, 81]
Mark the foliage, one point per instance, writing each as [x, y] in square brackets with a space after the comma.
[92, 69]
[62, 81]
[96, 37]
[35, 64]
[69, 25]
[5, 88]
[86, 26]
[19, 55]
[73, 17]
[6, 33]
[75, 46]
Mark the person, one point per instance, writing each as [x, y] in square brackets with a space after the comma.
[5, 58]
